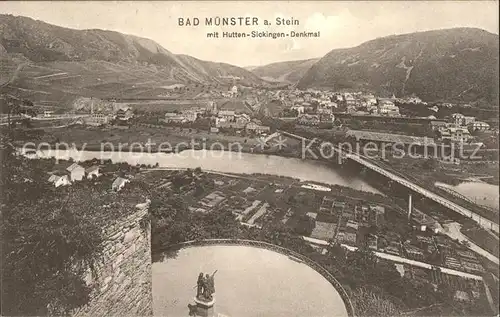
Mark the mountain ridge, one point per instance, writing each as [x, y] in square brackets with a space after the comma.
[102, 63]
[449, 64]
[38, 58]
[286, 71]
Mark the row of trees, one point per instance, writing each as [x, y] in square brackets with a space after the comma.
[13, 106]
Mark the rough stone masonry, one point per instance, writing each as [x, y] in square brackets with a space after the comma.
[122, 285]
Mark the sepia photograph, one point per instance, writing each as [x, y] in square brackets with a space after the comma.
[249, 158]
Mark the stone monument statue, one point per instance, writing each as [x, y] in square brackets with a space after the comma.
[204, 299]
[200, 283]
[205, 287]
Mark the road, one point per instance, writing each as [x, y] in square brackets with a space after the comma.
[452, 230]
[14, 75]
[398, 259]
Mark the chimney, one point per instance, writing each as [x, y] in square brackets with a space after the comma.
[409, 207]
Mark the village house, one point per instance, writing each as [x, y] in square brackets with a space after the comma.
[299, 108]
[124, 113]
[438, 125]
[242, 118]
[393, 248]
[48, 113]
[299, 100]
[462, 120]
[369, 99]
[227, 115]
[479, 126]
[119, 183]
[97, 119]
[351, 108]
[234, 91]
[455, 134]
[388, 108]
[92, 171]
[308, 119]
[324, 110]
[434, 108]
[59, 179]
[349, 100]
[346, 237]
[190, 115]
[372, 241]
[174, 117]
[447, 105]
[461, 296]
[257, 128]
[211, 107]
[230, 125]
[376, 215]
[76, 172]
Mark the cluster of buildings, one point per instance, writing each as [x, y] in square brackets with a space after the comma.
[99, 112]
[232, 93]
[102, 117]
[223, 119]
[352, 225]
[66, 174]
[63, 175]
[320, 102]
[368, 104]
[315, 119]
[470, 122]
[185, 116]
[341, 222]
[228, 119]
[458, 128]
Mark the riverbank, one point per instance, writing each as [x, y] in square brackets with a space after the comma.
[139, 138]
[164, 139]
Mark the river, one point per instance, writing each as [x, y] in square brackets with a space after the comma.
[247, 163]
[479, 192]
[249, 282]
[228, 162]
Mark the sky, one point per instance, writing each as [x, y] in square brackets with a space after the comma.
[341, 24]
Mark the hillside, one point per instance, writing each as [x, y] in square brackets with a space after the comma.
[38, 59]
[458, 64]
[290, 71]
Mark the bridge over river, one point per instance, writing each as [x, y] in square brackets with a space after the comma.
[367, 162]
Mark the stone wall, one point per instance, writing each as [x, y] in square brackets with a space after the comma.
[122, 283]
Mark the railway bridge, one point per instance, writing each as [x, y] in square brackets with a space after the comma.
[367, 162]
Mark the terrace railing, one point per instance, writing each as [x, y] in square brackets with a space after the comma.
[269, 246]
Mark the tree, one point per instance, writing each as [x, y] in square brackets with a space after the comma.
[305, 225]
[429, 164]
[44, 235]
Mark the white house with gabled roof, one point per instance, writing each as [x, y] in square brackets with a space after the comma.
[77, 173]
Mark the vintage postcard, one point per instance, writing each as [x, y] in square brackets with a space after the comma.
[249, 158]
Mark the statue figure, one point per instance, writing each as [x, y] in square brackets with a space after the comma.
[207, 291]
[200, 285]
[205, 287]
[209, 286]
